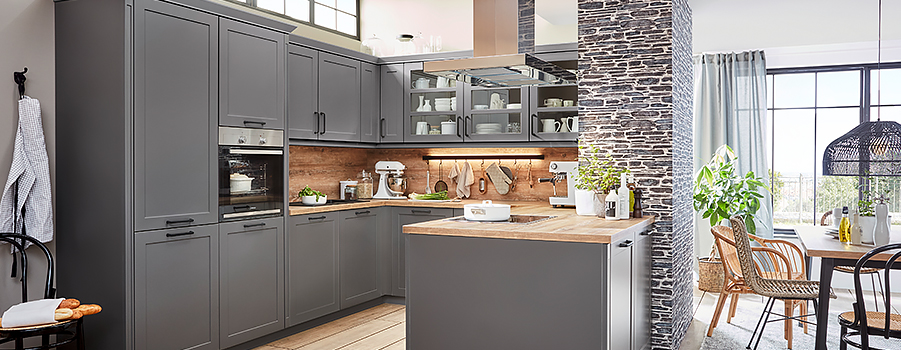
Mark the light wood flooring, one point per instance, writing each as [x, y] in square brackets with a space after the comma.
[381, 327]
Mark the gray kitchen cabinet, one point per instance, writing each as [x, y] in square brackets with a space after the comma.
[620, 289]
[370, 98]
[541, 110]
[251, 279]
[641, 291]
[177, 289]
[251, 76]
[339, 98]
[303, 93]
[391, 119]
[484, 124]
[175, 139]
[401, 217]
[312, 263]
[358, 251]
[429, 93]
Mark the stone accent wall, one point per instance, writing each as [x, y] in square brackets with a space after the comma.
[632, 107]
[526, 26]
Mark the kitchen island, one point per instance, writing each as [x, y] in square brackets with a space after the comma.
[565, 282]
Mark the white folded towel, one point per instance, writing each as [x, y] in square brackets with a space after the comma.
[30, 313]
[464, 180]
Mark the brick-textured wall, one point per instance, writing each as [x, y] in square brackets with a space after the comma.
[631, 106]
[526, 26]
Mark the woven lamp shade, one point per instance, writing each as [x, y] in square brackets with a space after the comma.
[871, 148]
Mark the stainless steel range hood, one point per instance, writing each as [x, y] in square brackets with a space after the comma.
[503, 40]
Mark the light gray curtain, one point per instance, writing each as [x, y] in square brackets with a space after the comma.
[730, 108]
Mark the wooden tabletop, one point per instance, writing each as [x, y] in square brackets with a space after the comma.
[818, 244]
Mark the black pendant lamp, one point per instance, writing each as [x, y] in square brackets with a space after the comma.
[871, 148]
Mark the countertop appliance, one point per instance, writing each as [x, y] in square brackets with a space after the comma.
[251, 173]
[392, 183]
[563, 171]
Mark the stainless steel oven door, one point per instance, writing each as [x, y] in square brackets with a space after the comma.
[251, 173]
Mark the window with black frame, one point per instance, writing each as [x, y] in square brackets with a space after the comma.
[338, 16]
[807, 109]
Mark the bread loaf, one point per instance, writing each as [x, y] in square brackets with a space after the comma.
[69, 304]
[63, 314]
[88, 309]
[76, 315]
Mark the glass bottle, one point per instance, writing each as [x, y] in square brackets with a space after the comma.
[364, 185]
[623, 206]
[611, 203]
[350, 192]
[844, 227]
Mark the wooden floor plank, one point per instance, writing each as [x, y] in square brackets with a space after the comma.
[314, 334]
[380, 339]
[397, 316]
[401, 345]
[347, 337]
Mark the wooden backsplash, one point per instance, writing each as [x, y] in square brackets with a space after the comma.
[322, 167]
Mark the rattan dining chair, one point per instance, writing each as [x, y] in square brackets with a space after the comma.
[872, 271]
[886, 324]
[783, 289]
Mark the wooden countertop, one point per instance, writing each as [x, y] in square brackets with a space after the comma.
[566, 226]
[302, 210]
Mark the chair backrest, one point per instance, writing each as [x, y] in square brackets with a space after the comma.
[789, 250]
[722, 236]
[20, 242]
[859, 305]
[745, 254]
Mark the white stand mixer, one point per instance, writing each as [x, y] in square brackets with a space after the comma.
[390, 175]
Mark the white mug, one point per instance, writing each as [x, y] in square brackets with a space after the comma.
[553, 102]
[550, 125]
[422, 128]
[570, 124]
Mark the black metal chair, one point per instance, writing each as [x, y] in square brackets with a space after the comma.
[886, 324]
[66, 331]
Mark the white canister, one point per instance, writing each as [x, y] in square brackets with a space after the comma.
[343, 185]
[586, 203]
[448, 128]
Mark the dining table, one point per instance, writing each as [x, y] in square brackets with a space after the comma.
[818, 244]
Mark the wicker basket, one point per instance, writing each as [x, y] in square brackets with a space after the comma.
[711, 274]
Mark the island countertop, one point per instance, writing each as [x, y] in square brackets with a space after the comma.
[565, 226]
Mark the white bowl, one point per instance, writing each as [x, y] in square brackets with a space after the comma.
[311, 200]
[442, 108]
[514, 106]
[480, 107]
[442, 99]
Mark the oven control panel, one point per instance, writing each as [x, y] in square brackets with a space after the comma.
[250, 137]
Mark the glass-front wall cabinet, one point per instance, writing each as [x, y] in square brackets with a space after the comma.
[555, 113]
[433, 112]
[496, 114]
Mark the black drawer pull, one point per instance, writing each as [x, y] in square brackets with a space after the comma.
[422, 211]
[254, 122]
[625, 244]
[255, 225]
[179, 222]
[644, 233]
[316, 218]
[179, 234]
[362, 212]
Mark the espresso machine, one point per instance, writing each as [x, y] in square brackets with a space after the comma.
[392, 182]
[563, 171]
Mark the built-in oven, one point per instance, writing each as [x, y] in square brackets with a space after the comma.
[251, 173]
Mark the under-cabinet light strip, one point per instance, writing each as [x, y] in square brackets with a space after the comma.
[482, 156]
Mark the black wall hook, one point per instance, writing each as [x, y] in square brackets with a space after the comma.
[19, 78]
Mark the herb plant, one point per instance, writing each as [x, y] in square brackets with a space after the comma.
[595, 173]
[720, 193]
[307, 191]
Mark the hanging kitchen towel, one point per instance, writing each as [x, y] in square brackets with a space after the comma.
[455, 171]
[29, 174]
[464, 180]
[500, 180]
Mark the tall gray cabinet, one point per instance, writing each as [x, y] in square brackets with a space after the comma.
[252, 76]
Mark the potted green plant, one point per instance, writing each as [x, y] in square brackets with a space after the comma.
[720, 193]
[595, 177]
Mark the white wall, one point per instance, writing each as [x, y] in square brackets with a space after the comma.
[26, 39]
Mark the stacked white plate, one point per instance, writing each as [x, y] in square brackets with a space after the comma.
[488, 128]
[442, 103]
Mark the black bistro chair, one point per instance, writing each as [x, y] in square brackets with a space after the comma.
[66, 331]
[885, 324]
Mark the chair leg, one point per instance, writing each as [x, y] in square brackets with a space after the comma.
[875, 297]
[79, 330]
[732, 306]
[766, 319]
[804, 312]
[45, 341]
[789, 311]
[20, 344]
[841, 339]
[720, 302]
[765, 307]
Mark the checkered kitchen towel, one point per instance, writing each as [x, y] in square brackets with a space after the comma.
[32, 170]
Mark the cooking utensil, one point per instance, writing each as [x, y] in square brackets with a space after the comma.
[483, 183]
[486, 211]
[440, 185]
[428, 188]
[239, 183]
[531, 182]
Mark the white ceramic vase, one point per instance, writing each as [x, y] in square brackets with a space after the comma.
[868, 225]
[586, 203]
[882, 231]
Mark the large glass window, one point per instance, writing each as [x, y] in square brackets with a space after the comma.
[807, 109]
[339, 16]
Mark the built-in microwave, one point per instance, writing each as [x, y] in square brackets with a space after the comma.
[251, 173]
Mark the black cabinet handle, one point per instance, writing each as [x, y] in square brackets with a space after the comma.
[625, 244]
[466, 126]
[179, 222]
[645, 233]
[318, 123]
[255, 225]
[322, 114]
[316, 218]
[254, 122]
[179, 234]
[532, 125]
[362, 212]
[241, 207]
[382, 127]
[459, 125]
[421, 211]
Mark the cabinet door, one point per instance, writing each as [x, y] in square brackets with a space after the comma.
[303, 93]
[177, 289]
[251, 279]
[359, 258]
[548, 119]
[391, 122]
[641, 297]
[406, 216]
[312, 267]
[620, 289]
[370, 100]
[488, 115]
[339, 98]
[175, 117]
[251, 76]
[422, 90]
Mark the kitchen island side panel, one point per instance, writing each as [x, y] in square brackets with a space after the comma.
[468, 293]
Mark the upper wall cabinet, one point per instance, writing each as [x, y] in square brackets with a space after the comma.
[251, 76]
[369, 102]
[391, 119]
[175, 148]
[324, 94]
